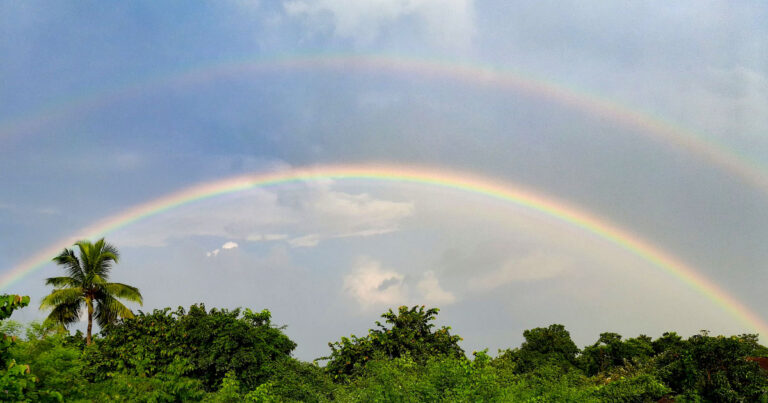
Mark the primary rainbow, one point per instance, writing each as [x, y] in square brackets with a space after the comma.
[657, 128]
[410, 174]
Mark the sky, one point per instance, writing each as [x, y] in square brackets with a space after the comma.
[650, 116]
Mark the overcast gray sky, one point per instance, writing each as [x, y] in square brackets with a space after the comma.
[104, 106]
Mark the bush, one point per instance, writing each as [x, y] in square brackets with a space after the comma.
[641, 388]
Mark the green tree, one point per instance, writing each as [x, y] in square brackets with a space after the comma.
[17, 384]
[411, 333]
[55, 360]
[550, 345]
[15, 379]
[86, 285]
[199, 344]
[610, 351]
[715, 368]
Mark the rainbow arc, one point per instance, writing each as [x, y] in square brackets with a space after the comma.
[660, 130]
[517, 195]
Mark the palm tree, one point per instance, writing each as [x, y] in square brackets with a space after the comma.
[86, 285]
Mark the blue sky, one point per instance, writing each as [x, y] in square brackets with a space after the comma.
[92, 123]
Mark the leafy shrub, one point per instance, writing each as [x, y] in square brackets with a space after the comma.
[641, 388]
[16, 380]
[57, 363]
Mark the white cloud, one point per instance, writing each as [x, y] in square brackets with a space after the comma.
[371, 285]
[302, 215]
[431, 291]
[328, 214]
[536, 266]
[356, 213]
[226, 246]
[446, 22]
[305, 241]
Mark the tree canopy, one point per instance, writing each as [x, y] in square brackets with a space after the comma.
[410, 332]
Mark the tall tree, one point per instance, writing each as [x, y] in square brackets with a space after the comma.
[411, 333]
[86, 285]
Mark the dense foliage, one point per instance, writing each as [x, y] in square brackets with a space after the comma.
[220, 355]
[410, 334]
[199, 344]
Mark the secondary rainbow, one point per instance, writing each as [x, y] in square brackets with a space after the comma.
[657, 128]
[409, 174]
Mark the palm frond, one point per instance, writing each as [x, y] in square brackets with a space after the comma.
[100, 257]
[124, 291]
[110, 251]
[65, 314]
[60, 282]
[71, 263]
[108, 310]
[85, 255]
[98, 280]
[62, 296]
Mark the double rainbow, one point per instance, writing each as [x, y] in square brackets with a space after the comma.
[409, 174]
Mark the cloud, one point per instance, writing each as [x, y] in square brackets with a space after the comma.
[370, 284]
[329, 214]
[305, 241]
[445, 22]
[536, 266]
[302, 215]
[432, 292]
[226, 246]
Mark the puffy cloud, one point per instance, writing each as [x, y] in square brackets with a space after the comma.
[370, 284]
[431, 291]
[229, 245]
[446, 22]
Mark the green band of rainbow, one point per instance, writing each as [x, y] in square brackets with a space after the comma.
[442, 178]
[658, 129]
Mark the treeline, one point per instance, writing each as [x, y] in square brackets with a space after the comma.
[220, 355]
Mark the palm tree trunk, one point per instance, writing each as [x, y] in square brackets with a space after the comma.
[90, 321]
